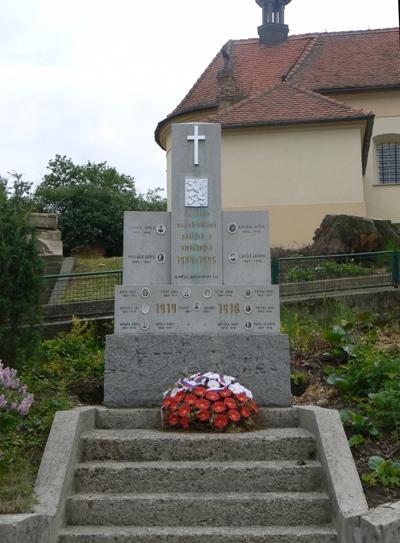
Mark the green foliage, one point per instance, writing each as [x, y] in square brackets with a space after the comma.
[384, 472]
[326, 269]
[299, 378]
[20, 275]
[340, 340]
[90, 200]
[65, 366]
[361, 425]
[371, 380]
[385, 405]
[305, 333]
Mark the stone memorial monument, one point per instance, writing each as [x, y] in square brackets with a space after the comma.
[197, 292]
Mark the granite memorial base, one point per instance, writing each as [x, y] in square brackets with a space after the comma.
[139, 368]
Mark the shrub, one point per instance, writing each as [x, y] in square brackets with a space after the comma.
[20, 276]
[384, 472]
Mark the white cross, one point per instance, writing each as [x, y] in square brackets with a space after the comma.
[196, 138]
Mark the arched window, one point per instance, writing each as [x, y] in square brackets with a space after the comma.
[388, 158]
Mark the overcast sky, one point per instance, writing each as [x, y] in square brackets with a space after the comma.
[90, 79]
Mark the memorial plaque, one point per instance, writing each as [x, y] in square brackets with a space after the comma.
[197, 309]
[246, 247]
[196, 222]
[147, 252]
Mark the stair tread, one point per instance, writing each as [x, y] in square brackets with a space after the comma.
[327, 529]
[138, 434]
[205, 496]
[179, 464]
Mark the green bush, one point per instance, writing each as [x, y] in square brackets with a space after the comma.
[384, 472]
[326, 269]
[20, 276]
[66, 370]
[90, 200]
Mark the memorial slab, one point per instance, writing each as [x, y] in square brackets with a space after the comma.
[147, 248]
[196, 218]
[246, 251]
[197, 309]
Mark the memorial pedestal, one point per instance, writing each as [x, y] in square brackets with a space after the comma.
[139, 368]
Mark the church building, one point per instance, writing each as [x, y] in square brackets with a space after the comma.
[310, 124]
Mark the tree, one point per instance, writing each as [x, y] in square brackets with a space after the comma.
[90, 200]
[21, 271]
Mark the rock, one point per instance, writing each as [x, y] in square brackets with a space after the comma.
[340, 234]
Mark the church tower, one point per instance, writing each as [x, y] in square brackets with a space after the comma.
[273, 30]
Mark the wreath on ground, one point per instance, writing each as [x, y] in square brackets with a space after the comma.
[209, 402]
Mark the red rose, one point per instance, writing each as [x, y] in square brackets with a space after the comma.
[253, 406]
[226, 393]
[246, 413]
[220, 422]
[241, 397]
[173, 420]
[200, 391]
[203, 416]
[212, 396]
[202, 405]
[230, 403]
[166, 402]
[190, 399]
[234, 415]
[184, 422]
[184, 411]
[218, 407]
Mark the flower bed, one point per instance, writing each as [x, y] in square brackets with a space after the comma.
[209, 402]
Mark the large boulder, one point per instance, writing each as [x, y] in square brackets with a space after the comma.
[349, 234]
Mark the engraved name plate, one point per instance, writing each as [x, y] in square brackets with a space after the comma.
[246, 247]
[147, 253]
[197, 309]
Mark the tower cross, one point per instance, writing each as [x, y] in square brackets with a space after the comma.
[196, 139]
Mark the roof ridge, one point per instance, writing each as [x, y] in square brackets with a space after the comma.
[307, 50]
[325, 98]
[248, 99]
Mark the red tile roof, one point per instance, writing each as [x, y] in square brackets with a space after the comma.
[285, 103]
[344, 60]
[255, 66]
[318, 62]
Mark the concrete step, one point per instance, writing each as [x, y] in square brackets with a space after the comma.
[224, 509]
[154, 445]
[151, 419]
[267, 534]
[122, 477]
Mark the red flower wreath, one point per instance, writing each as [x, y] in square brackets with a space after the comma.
[209, 402]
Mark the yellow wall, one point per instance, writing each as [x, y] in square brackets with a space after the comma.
[299, 174]
[382, 201]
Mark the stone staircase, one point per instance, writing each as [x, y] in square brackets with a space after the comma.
[138, 484]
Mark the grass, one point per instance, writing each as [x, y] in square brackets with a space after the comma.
[87, 289]
[16, 485]
[83, 265]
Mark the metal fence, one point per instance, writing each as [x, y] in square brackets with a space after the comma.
[93, 293]
[327, 273]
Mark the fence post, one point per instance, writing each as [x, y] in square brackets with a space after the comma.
[275, 271]
[396, 268]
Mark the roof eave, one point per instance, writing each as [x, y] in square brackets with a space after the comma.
[176, 114]
[294, 122]
[361, 88]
